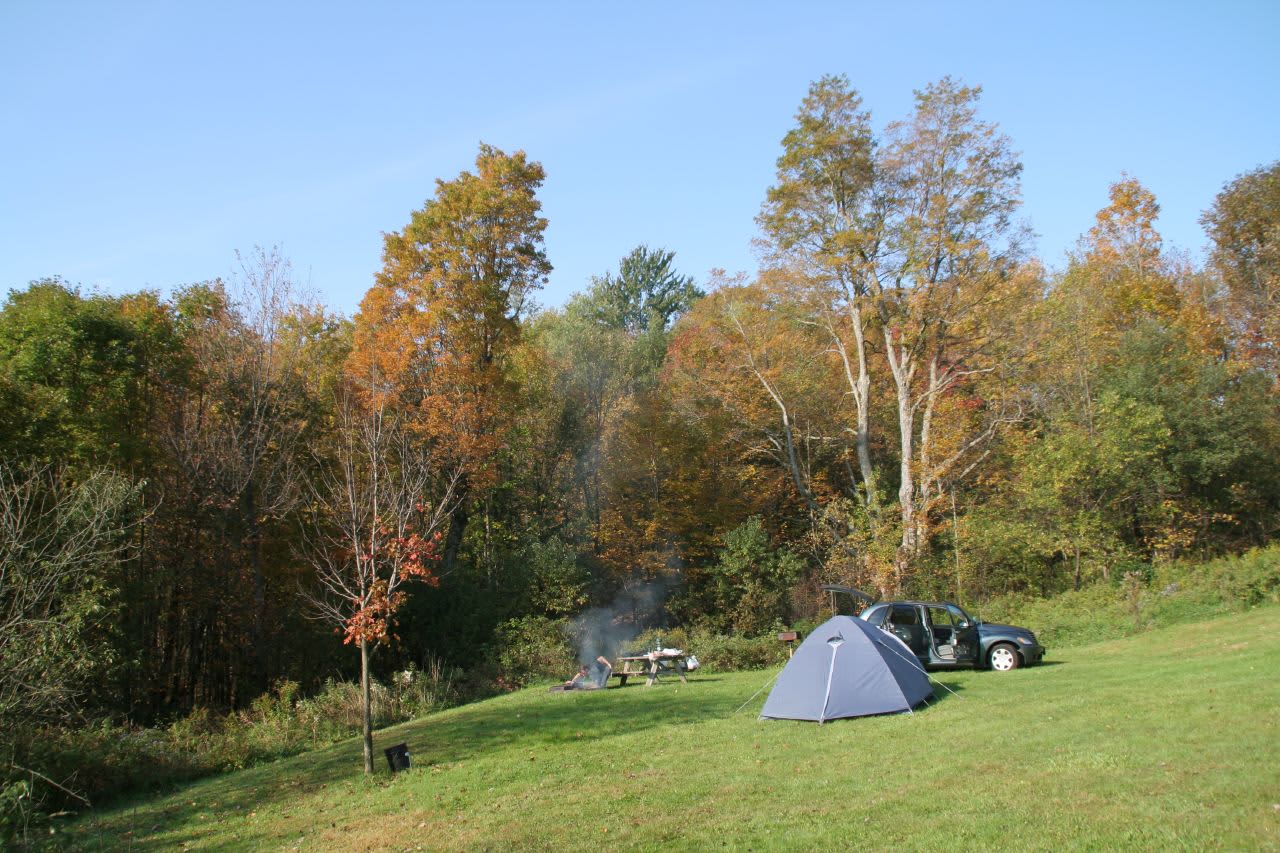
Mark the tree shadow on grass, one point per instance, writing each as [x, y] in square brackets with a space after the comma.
[528, 720]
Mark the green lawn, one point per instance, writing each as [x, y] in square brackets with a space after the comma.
[1164, 741]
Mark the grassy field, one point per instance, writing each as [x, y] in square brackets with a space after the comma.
[1164, 741]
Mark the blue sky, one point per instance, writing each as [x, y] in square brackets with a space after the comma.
[142, 144]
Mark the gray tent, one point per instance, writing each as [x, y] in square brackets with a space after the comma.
[847, 668]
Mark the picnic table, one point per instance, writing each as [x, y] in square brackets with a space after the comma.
[651, 666]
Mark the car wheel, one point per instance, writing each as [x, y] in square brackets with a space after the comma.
[1003, 658]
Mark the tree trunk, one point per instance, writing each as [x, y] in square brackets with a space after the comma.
[955, 544]
[906, 493]
[860, 388]
[253, 546]
[862, 400]
[366, 702]
[457, 526]
[793, 462]
[902, 367]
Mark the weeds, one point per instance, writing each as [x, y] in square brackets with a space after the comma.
[104, 762]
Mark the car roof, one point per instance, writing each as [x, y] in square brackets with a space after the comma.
[922, 603]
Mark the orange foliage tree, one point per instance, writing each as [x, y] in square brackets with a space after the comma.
[442, 320]
[745, 356]
[1244, 225]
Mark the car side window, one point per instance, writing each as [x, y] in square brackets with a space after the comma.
[960, 617]
[940, 617]
[904, 615]
[876, 616]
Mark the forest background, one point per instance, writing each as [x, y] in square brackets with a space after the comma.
[230, 490]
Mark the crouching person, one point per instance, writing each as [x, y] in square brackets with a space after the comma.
[590, 677]
[575, 683]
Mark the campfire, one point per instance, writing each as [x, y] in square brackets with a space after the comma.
[592, 676]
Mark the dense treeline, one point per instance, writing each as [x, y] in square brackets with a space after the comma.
[208, 492]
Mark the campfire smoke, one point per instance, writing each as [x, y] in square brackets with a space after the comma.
[605, 631]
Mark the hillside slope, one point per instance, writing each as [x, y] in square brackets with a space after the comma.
[1169, 739]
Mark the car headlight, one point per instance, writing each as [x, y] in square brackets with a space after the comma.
[1027, 641]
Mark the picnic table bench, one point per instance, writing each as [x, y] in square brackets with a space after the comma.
[650, 666]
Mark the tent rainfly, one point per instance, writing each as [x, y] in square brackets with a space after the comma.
[847, 668]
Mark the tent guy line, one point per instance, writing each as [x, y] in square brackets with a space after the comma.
[758, 692]
[916, 663]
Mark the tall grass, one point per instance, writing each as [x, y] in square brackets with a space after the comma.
[1168, 594]
[105, 761]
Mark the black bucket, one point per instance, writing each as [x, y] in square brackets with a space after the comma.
[397, 757]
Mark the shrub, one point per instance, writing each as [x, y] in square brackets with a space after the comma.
[108, 760]
[1166, 594]
[531, 649]
[416, 692]
[716, 650]
[336, 711]
[557, 584]
[752, 579]
[667, 638]
[17, 812]
[1198, 591]
[725, 653]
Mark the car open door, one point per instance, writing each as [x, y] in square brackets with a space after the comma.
[968, 643]
[955, 639]
[903, 621]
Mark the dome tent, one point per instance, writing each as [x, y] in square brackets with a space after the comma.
[847, 668]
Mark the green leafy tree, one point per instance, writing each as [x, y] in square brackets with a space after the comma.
[824, 225]
[558, 584]
[62, 542]
[645, 293]
[1244, 225]
[1068, 505]
[634, 309]
[754, 578]
[80, 372]
[1213, 483]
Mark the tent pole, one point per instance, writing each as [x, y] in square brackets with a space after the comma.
[831, 674]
